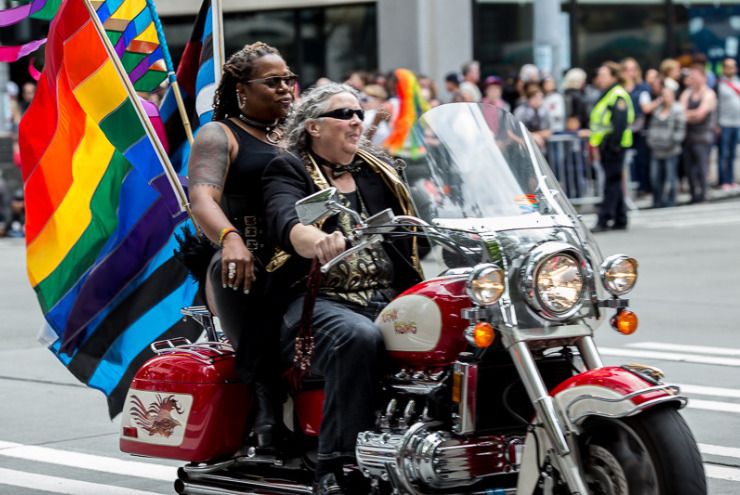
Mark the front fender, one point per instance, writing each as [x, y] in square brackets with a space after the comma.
[611, 392]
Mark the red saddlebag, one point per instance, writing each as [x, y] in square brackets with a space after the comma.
[187, 403]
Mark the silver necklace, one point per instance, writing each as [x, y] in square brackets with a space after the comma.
[271, 130]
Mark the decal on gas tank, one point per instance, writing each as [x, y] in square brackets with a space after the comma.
[410, 323]
[159, 418]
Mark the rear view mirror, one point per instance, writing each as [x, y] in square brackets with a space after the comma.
[318, 206]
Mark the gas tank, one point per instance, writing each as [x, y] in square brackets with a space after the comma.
[423, 326]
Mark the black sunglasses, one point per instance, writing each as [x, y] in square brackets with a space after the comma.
[275, 81]
[344, 114]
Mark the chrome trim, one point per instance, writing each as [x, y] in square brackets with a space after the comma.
[464, 421]
[531, 267]
[239, 486]
[204, 318]
[547, 412]
[589, 353]
[417, 388]
[611, 261]
[682, 400]
[219, 348]
[615, 303]
[673, 392]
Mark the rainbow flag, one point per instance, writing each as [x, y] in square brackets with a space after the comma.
[401, 141]
[100, 215]
[130, 27]
[44, 10]
[197, 79]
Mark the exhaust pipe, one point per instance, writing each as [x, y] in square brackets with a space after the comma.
[239, 487]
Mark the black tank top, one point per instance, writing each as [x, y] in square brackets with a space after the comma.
[242, 196]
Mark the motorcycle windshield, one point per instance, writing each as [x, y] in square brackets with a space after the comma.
[479, 174]
[476, 161]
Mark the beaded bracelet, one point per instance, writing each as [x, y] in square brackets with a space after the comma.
[224, 232]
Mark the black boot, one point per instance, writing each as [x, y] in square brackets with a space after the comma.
[265, 417]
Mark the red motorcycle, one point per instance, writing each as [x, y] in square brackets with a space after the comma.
[498, 386]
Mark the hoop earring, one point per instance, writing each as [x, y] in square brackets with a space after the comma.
[240, 99]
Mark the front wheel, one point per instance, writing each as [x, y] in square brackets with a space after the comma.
[653, 453]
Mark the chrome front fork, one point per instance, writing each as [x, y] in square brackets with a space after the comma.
[548, 415]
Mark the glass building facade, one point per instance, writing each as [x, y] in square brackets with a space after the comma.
[598, 30]
[316, 42]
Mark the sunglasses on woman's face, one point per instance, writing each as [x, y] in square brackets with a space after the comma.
[344, 114]
[275, 81]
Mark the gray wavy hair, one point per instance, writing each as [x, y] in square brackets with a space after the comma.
[314, 102]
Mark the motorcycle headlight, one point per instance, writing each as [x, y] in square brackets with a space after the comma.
[553, 280]
[619, 274]
[559, 283]
[486, 284]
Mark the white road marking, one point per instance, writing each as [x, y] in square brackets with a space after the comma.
[88, 461]
[700, 349]
[713, 391]
[720, 450]
[722, 472]
[669, 356]
[713, 405]
[54, 484]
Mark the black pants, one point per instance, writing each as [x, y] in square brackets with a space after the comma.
[349, 354]
[696, 161]
[613, 206]
[251, 322]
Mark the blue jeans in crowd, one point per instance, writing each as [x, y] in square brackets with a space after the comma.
[728, 142]
[664, 180]
[349, 353]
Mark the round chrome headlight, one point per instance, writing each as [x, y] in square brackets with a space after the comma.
[486, 284]
[554, 278]
[619, 274]
[559, 283]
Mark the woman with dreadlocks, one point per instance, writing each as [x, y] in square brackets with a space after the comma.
[226, 163]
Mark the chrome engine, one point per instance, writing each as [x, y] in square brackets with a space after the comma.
[422, 457]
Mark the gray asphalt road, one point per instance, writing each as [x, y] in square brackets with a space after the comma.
[55, 436]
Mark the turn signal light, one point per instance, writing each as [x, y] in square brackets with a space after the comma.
[456, 387]
[483, 334]
[625, 322]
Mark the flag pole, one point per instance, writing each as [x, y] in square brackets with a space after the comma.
[217, 24]
[171, 71]
[143, 118]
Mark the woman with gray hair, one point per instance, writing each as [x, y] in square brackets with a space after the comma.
[325, 148]
[576, 106]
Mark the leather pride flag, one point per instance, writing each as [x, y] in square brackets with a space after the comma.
[101, 216]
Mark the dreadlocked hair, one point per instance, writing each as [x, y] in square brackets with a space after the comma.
[238, 68]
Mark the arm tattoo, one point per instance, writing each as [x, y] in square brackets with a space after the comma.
[209, 157]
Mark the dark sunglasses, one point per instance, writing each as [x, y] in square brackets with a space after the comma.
[275, 81]
[344, 114]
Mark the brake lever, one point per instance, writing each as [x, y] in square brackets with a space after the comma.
[349, 252]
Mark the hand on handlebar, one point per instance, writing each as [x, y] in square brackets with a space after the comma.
[329, 247]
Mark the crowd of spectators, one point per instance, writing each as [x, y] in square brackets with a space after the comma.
[12, 206]
[681, 113]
